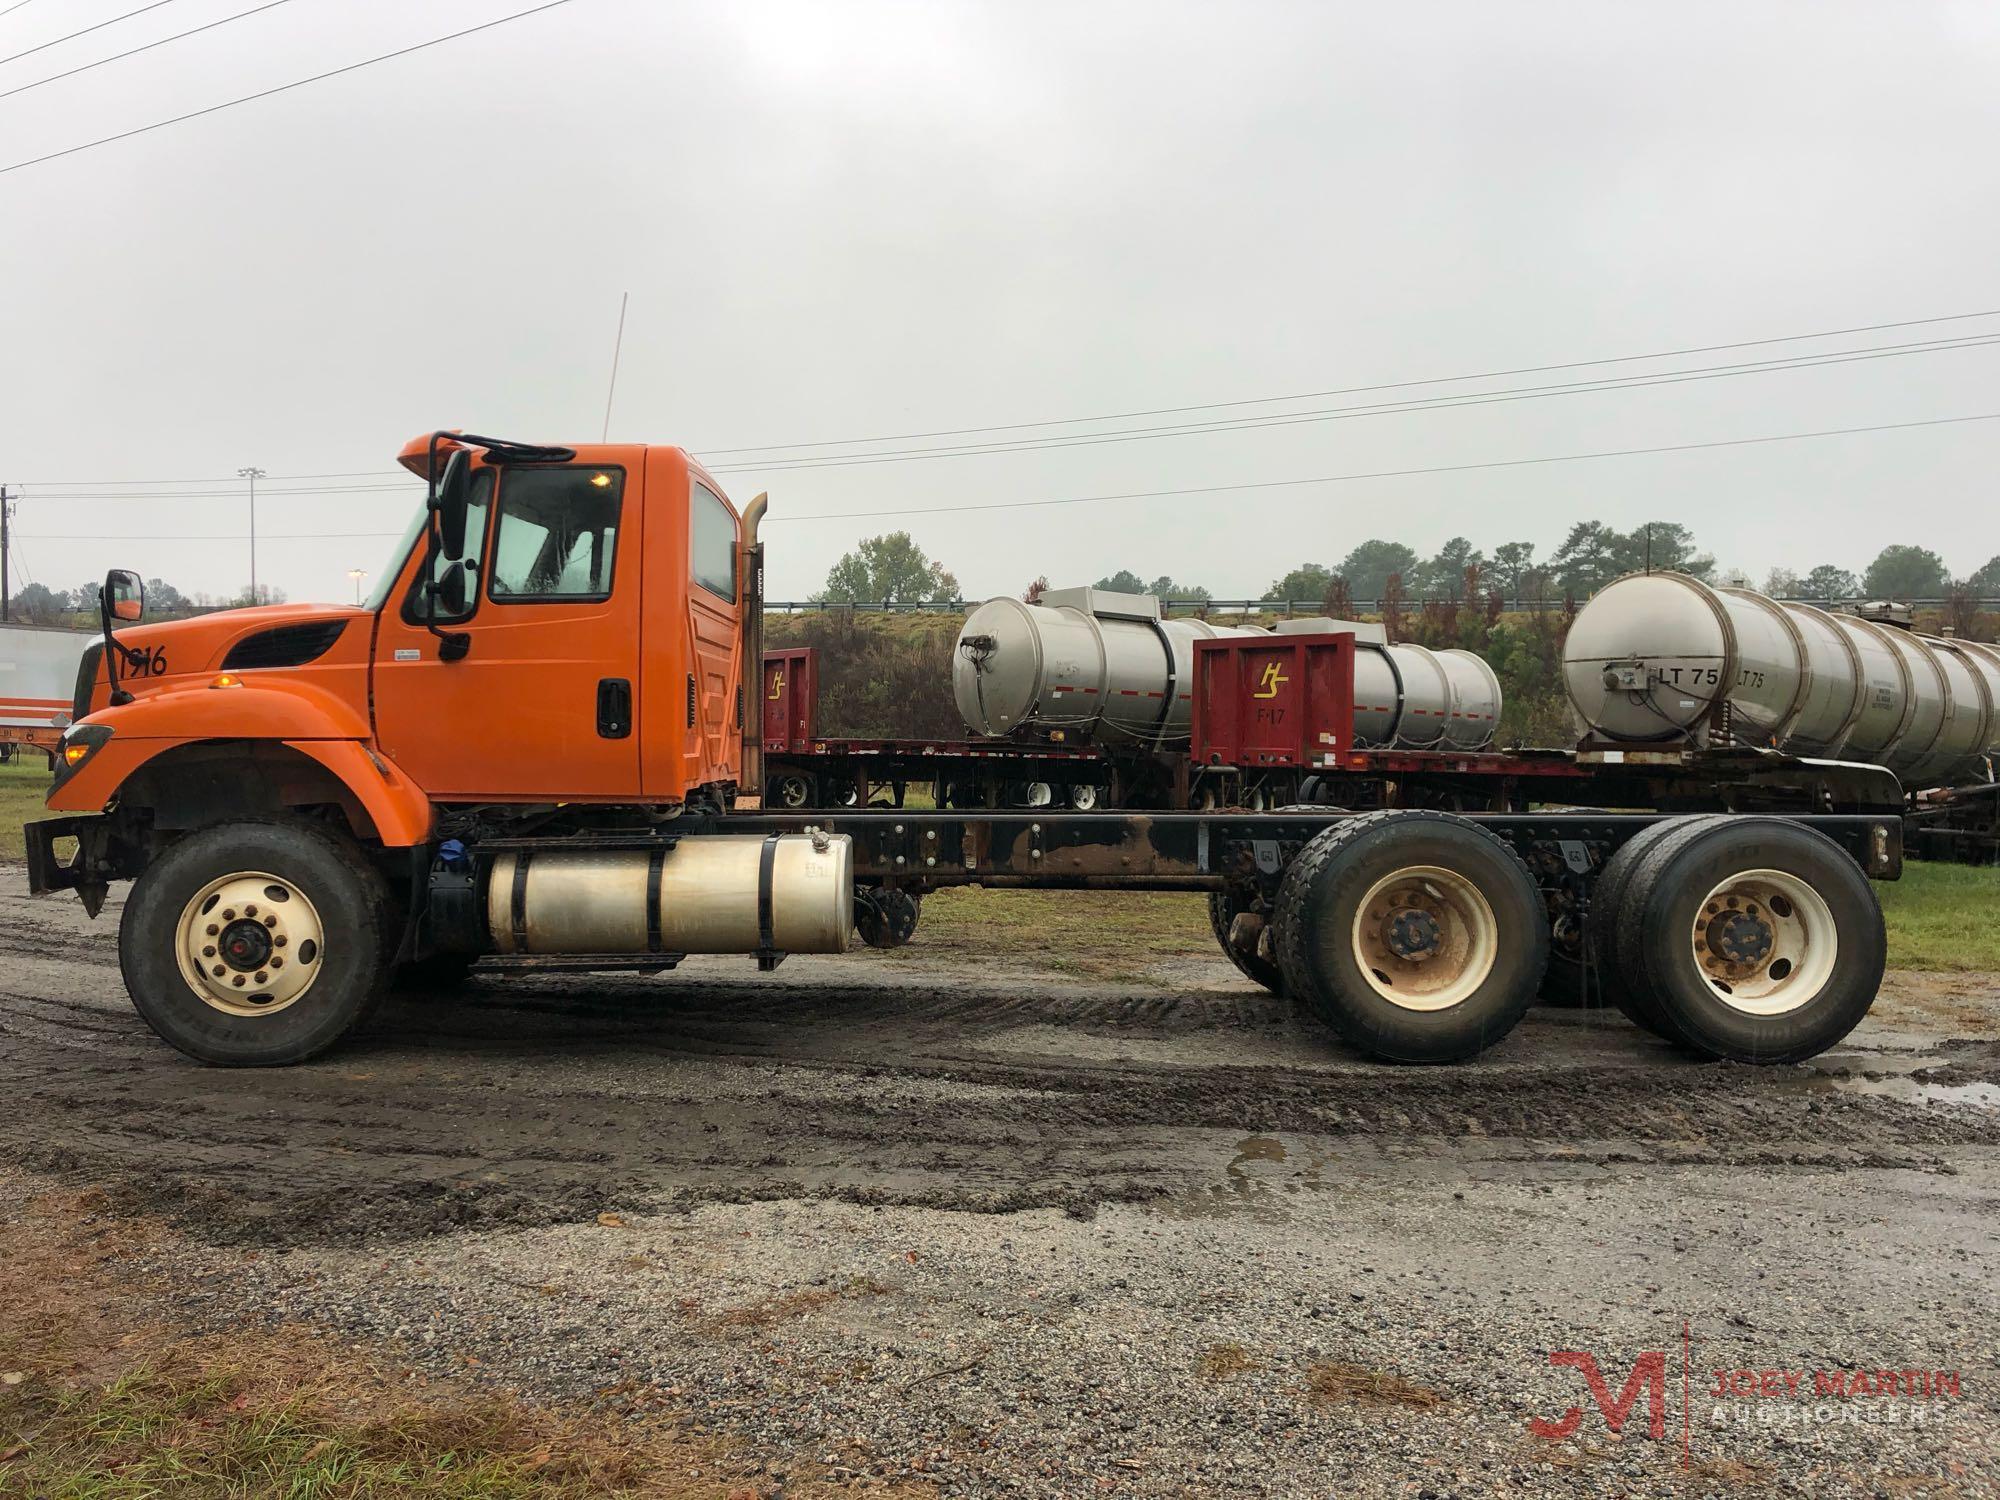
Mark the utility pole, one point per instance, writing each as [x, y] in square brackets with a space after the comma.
[6, 509]
[253, 475]
[357, 574]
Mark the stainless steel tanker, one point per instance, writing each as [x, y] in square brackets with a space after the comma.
[1659, 658]
[1109, 668]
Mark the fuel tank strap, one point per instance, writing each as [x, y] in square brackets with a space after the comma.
[767, 863]
[655, 867]
[518, 904]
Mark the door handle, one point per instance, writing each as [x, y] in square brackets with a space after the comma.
[614, 707]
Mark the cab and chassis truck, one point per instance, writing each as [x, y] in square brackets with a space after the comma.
[529, 750]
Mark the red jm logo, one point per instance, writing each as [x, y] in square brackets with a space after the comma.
[1650, 1371]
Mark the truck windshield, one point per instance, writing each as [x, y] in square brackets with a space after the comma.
[385, 580]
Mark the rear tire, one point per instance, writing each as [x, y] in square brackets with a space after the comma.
[1606, 928]
[1418, 936]
[295, 920]
[1756, 939]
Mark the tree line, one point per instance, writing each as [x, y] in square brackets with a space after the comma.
[38, 604]
[893, 569]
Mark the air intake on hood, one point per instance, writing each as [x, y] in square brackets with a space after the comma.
[284, 646]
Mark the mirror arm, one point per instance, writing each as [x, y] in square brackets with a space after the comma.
[113, 649]
[452, 644]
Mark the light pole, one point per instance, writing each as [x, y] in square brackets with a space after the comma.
[253, 475]
[357, 574]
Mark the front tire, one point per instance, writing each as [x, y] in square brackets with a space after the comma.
[255, 944]
[1418, 936]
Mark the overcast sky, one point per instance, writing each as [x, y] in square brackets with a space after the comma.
[849, 221]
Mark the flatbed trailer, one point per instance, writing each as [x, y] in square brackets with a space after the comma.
[315, 801]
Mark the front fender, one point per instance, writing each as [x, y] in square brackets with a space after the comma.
[401, 812]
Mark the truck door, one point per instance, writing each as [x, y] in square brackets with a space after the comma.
[541, 705]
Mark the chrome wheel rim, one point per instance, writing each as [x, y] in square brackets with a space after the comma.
[250, 944]
[1765, 941]
[1425, 938]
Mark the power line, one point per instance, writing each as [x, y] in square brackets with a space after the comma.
[43, 47]
[1357, 390]
[134, 52]
[1207, 489]
[1372, 409]
[215, 478]
[12, 8]
[221, 536]
[281, 88]
[412, 487]
[1504, 463]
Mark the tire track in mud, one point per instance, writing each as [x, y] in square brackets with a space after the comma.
[529, 1101]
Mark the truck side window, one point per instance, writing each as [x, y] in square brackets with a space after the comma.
[712, 542]
[478, 502]
[557, 535]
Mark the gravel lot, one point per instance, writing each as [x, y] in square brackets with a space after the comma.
[1016, 1233]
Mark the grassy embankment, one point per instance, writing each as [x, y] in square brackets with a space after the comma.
[1940, 916]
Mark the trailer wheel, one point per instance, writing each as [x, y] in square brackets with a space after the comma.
[1418, 936]
[255, 944]
[1758, 940]
[1606, 932]
[791, 790]
[1083, 797]
[1222, 914]
[885, 918]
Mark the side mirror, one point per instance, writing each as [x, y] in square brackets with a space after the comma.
[453, 489]
[450, 591]
[124, 594]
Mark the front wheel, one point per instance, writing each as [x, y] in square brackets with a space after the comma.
[255, 944]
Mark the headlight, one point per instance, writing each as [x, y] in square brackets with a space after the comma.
[79, 743]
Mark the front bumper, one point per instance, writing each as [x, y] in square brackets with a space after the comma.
[86, 871]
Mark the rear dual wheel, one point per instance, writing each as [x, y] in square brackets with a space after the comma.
[1752, 939]
[1418, 936]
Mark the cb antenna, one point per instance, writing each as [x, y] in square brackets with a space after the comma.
[616, 345]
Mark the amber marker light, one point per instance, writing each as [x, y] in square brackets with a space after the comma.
[602, 481]
[226, 679]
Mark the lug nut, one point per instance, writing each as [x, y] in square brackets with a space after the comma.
[262, 976]
[278, 941]
[220, 971]
[209, 951]
[270, 921]
[237, 981]
[249, 911]
[229, 914]
[213, 930]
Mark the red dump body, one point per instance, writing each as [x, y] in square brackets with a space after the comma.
[1274, 700]
[791, 700]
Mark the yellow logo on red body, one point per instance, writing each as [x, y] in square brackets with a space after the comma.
[1274, 679]
[778, 683]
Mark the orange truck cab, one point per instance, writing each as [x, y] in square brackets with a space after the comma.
[559, 639]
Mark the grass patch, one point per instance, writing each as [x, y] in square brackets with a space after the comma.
[1336, 1383]
[24, 782]
[1941, 917]
[785, 1306]
[98, 1399]
[1098, 934]
[1225, 1362]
